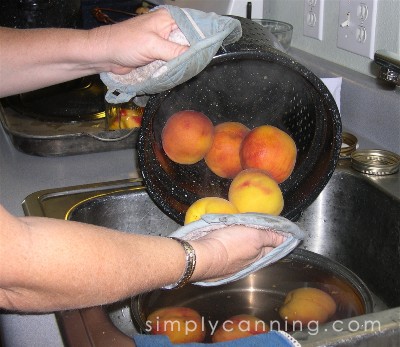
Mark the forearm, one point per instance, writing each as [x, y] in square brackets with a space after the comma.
[54, 264]
[49, 264]
[42, 57]
[36, 58]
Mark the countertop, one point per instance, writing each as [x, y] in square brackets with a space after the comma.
[22, 174]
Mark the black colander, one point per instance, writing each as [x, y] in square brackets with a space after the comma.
[253, 83]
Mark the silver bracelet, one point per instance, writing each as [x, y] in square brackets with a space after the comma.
[190, 265]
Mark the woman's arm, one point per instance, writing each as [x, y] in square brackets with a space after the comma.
[48, 264]
[36, 58]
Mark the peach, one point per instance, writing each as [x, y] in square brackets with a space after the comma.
[124, 118]
[208, 205]
[270, 149]
[307, 304]
[187, 136]
[131, 122]
[180, 324]
[114, 124]
[132, 118]
[253, 190]
[239, 326]
[223, 157]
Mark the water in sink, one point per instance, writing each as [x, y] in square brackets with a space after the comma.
[121, 315]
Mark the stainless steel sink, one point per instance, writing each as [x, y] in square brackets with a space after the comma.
[355, 221]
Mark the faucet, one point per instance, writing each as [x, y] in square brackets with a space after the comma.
[389, 66]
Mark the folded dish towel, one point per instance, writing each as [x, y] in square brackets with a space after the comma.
[271, 339]
[204, 32]
[209, 222]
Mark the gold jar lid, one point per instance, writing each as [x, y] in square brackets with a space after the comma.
[349, 145]
[375, 161]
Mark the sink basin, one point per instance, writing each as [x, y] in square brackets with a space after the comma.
[354, 221]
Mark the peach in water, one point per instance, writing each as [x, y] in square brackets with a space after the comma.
[307, 304]
[239, 326]
[180, 324]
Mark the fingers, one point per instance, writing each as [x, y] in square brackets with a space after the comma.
[273, 239]
[164, 25]
[139, 41]
[233, 248]
[169, 50]
[252, 242]
[166, 51]
[263, 237]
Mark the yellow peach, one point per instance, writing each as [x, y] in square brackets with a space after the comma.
[208, 205]
[131, 118]
[307, 304]
[253, 190]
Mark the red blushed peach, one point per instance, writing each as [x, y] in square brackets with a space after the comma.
[180, 324]
[307, 304]
[239, 326]
[223, 157]
[270, 149]
[187, 136]
[253, 190]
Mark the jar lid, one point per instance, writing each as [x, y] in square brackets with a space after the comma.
[349, 145]
[375, 161]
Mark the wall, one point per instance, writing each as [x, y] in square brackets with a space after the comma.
[387, 31]
[369, 109]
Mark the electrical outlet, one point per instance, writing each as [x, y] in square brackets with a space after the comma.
[313, 18]
[357, 21]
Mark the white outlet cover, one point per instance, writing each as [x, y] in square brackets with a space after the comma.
[356, 28]
[313, 18]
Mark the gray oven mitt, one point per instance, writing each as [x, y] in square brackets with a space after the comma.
[280, 225]
[204, 32]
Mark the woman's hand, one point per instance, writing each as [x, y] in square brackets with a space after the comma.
[231, 249]
[138, 41]
[37, 58]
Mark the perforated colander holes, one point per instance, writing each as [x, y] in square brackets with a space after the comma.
[297, 100]
[297, 113]
[307, 139]
[301, 125]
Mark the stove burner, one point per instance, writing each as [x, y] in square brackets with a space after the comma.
[78, 100]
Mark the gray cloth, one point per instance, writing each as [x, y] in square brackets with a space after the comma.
[204, 32]
[280, 225]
